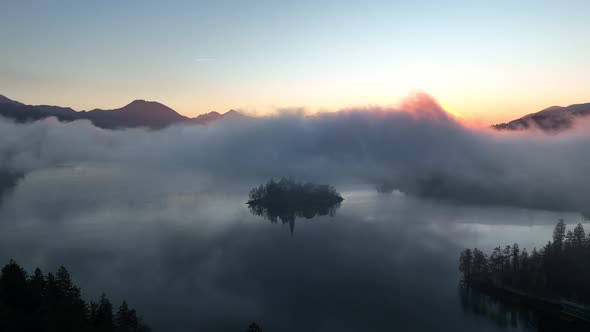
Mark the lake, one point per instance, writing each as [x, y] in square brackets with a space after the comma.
[186, 252]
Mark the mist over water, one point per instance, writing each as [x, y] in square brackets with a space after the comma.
[188, 254]
[159, 217]
[417, 148]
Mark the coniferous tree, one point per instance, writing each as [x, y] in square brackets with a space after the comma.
[559, 235]
[569, 240]
[37, 282]
[104, 315]
[507, 262]
[37, 286]
[496, 260]
[53, 303]
[560, 269]
[465, 262]
[515, 257]
[579, 236]
[13, 297]
[126, 319]
[480, 263]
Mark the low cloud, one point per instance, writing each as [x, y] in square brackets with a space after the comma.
[417, 147]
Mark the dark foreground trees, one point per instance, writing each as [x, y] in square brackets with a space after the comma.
[560, 269]
[52, 302]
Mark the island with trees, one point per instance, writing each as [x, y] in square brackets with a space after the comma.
[53, 303]
[287, 199]
[554, 277]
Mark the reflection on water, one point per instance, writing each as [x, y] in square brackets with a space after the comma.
[501, 313]
[508, 314]
[287, 199]
[288, 214]
[186, 252]
[8, 180]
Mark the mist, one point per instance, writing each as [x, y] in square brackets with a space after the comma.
[186, 252]
[158, 217]
[417, 147]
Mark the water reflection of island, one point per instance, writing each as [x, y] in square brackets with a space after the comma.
[8, 181]
[286, 199]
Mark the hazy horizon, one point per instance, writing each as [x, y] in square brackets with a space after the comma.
[387, 166]
[488, 63]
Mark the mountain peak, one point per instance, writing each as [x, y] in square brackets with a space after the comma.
[137, 113]
[139, 104]
[138, 101]
[552, 119]
[6, 100]
[552, 108]
[232, 113]
[214, 116]
[149, 109]
[207, 117]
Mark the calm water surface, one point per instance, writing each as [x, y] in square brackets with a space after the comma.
[188, 255]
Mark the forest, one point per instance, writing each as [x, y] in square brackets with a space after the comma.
[52, 302]
[560, 269]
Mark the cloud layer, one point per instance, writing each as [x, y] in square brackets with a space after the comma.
[417, 147]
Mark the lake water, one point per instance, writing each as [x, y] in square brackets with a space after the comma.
[186, 252]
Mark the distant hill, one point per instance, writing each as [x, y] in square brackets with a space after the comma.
[215, 116]
[139, 113]
[4, 100]
[552, 119]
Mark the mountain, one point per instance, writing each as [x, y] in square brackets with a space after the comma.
[5, 100]
[20, 112]
[553, 119]
[207, 117]
[56, 110]
[215, 116]
[138, 113]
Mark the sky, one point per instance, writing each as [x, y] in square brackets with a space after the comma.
[489, 61]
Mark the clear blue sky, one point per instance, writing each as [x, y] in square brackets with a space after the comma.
[488, 60]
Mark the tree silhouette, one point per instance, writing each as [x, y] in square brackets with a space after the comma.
[515, 257]
[253, 328]
[14, 307]
[559, 234]
[466, 262]
[53, 303]
[124, 318]
[579, 236]
[560, 269]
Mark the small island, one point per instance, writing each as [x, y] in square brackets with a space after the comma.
[287, 199]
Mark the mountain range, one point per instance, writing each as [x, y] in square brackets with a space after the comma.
[138, 113]
[552, 120]
[141, 113]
